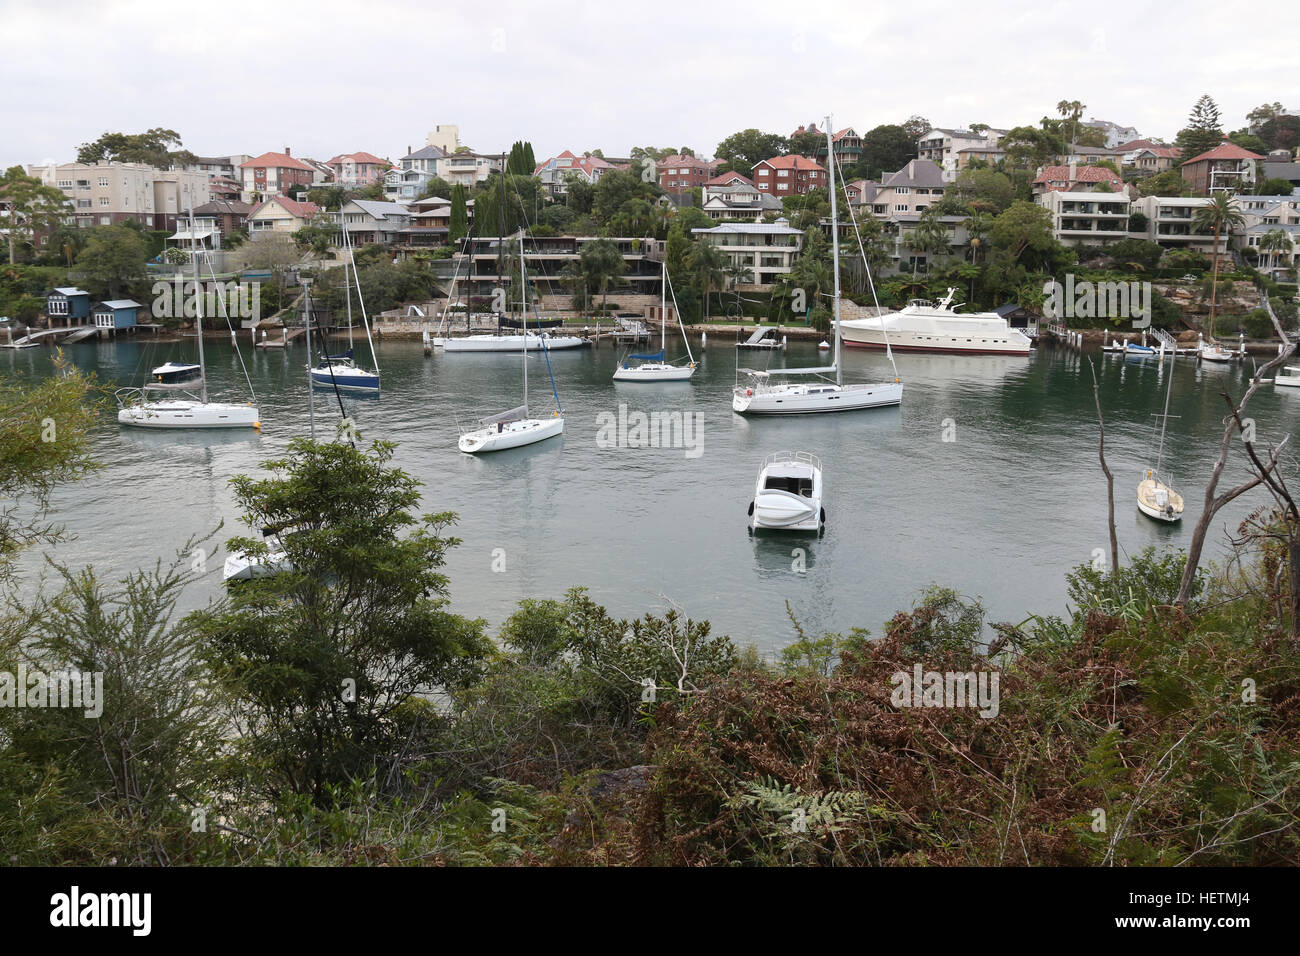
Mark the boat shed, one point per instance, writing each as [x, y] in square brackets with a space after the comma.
[68, 303]
[116, 313]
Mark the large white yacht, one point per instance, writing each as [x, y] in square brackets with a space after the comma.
[925, 326]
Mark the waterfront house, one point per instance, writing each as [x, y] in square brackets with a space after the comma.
[279, 216]
[229, 215]
[196, 230]
[1153, 159]
[115, 314]
[905, 257]
[423, 160]
[357, 170]
[910, 191]
[767, 249]
[1115, 134]
[372, 221]
[274, 174]
[1226, 168]
[1169, 223]
[68, 304]
[1087, 218]
[1076, 178]
[466, 168]
[550, 260]
[678, 173]
[783, 176]
[555, 172]
[943, 146]
[732, 196]
[403, 185]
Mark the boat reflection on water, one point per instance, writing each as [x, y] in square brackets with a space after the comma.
[780, 554]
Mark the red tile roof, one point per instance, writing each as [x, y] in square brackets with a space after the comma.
[361, 157]
[1136, 144]
[726, 178]
[277, 161]
[791, 162]
[1224, 150]
[677, 159]
[299, 210]
[1082, 174]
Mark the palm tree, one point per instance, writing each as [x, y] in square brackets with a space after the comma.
[738, 273]
[929, 236]
[1273, 242]
[1220, 217]
[709, 266]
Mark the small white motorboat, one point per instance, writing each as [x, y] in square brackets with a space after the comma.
[1213, 352]
[788, 494]
[176, 373]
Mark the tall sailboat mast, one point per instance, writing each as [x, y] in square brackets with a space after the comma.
[198, 309]
[347, 288]
[835, 247]
[663, 311]
[523, 281]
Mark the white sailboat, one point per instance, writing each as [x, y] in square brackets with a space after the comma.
[342, 371]
[1155, 498]
[653, 368]
[788, 494]
[139, 406]
[760, 395]
[515, 428]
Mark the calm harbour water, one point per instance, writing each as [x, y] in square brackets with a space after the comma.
[1001, 512]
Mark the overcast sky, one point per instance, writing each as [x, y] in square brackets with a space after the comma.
[325, 77]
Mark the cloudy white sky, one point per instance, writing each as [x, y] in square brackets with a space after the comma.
[329, 77]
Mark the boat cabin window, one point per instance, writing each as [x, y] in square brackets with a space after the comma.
[795, 486]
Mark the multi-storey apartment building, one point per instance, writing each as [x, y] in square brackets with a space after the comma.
[467, 168]
[1170, 223]
[1226, 168]
[783, 176]
[274, 174]
[555, 172]
[1082, 218]
[943, 146]
[767, 249]
[106, 193]
[423, 160]
[678, 173]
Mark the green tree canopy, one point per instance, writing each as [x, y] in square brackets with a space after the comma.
[153, 147]
[885, 149]
[322, 656]
[114, 257]
[32, 206]
[742, 150]
[1203, 131]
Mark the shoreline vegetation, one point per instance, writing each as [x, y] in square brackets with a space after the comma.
[339, 711]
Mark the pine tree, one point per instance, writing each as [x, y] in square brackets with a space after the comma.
[459, 216]
[1204, 129]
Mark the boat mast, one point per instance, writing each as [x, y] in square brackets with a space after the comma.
[198, 310]
[1164, 419]
[835, 247]
[311, 391]
[347, 285]
[501, 249]
[523, 281]
[663, 312]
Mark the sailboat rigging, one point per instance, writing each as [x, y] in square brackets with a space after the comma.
[1155, 497]
[138, 408]
[342, 371]
[515, 427]
[653, 367]
[761, 396]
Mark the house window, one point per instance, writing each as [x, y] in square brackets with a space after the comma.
[783, 172]
[901, 207]
[902, 190]
[103, 180]
[105, 220]
[103, 200]
[65, 183]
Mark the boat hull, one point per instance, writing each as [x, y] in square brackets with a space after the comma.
[511, 343]
[187, 414]
[653, 372]
[812, 400]
[510, 435]
[909, 342]
[353, 381]
[1158, 501]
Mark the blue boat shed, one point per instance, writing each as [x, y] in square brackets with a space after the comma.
[116, 313]
[68, 303]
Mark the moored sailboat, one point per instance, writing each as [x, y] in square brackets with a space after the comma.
[760, 395]
[140, 408]
[652, 367]
[1155, 497]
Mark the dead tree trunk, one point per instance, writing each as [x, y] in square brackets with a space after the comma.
[1105, 470]
[1214, 503]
